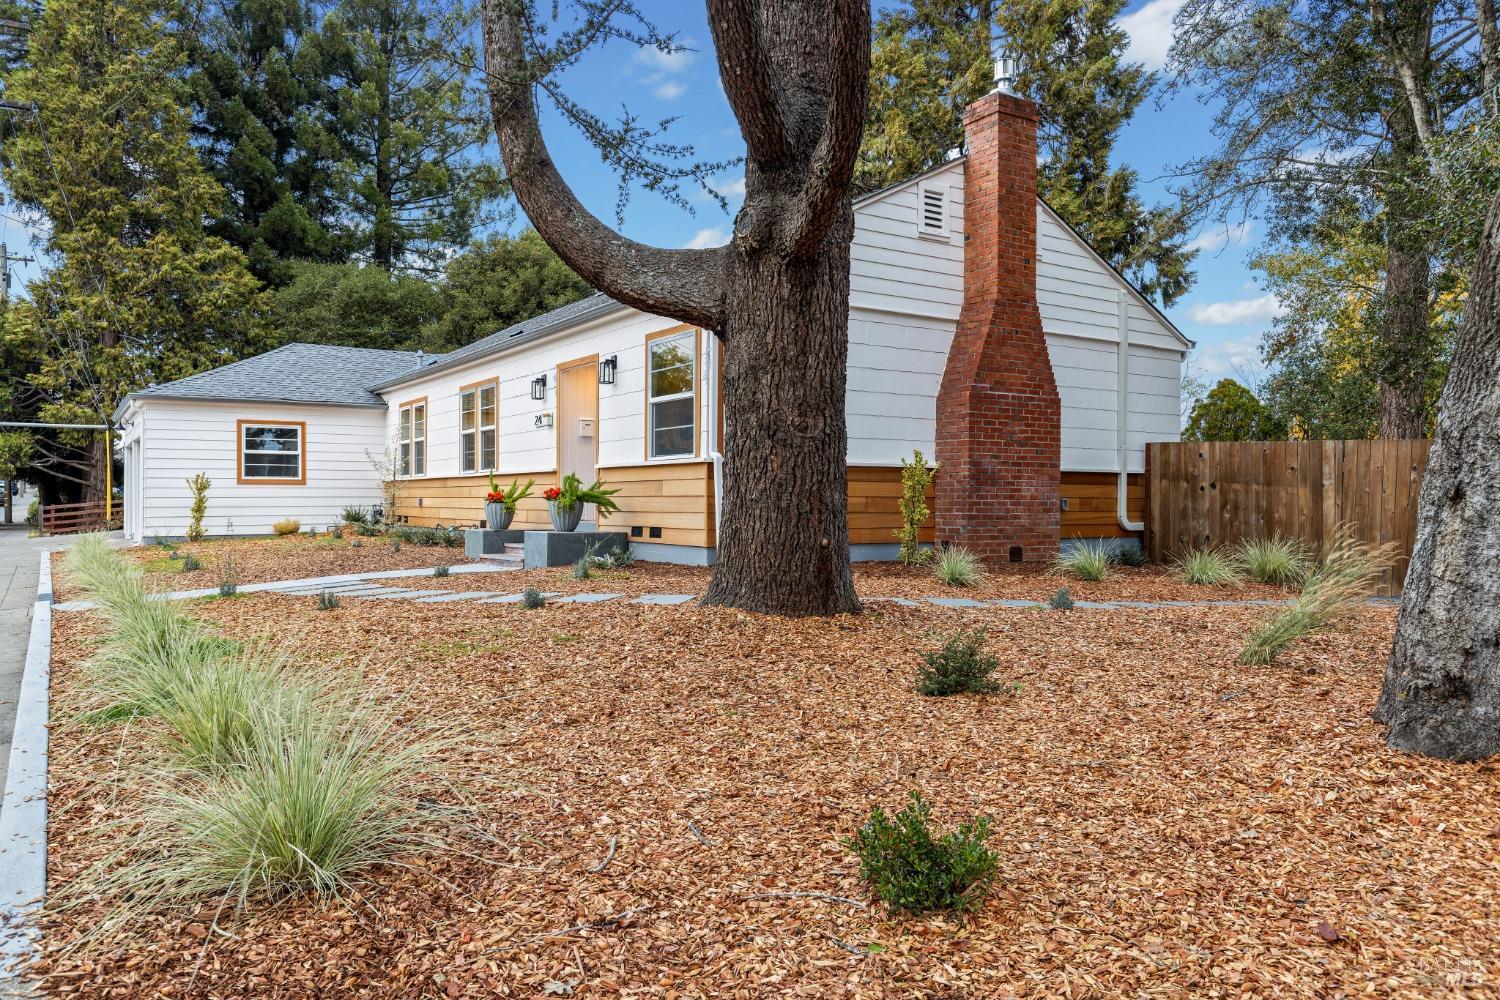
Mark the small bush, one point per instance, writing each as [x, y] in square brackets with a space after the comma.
[961, 666]
[355, 543]
[622, 558]
[1130, 555]
[190, 563]
[286, 526]
[531, 599]
[1346, 577]
[336, 531]
[414, 535]
[916, 479]
[1061, 601]
[1279, 561]
[356, 515]
[229, 576]
[395, 545]
[366, 530]
[198, 486]
[957, 566]
[1209, 566]
[328, 601]
[1087, 560]
[581, 568]
[441, 570]
[910, 869]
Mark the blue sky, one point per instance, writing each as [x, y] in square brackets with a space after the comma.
[1225, 312]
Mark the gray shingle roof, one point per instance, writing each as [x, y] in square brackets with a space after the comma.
[593, 307]
[296, 373]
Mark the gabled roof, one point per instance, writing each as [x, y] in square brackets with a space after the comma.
[296, 373]
[593, 307]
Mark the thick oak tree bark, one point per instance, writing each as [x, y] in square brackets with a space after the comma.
[777, 297]
[1442, 684]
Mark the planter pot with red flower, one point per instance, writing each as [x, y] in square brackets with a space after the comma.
[500, 505]
[566, 502]
[497, 516]
[565, 520]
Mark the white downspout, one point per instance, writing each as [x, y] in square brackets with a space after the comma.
[714, 455]
[1122, 366]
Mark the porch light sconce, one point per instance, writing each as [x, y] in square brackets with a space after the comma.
[607, 369]
[539, 387]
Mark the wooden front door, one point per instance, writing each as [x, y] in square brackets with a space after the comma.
[578, 421]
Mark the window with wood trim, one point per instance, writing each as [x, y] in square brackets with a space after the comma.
[413, 438]
[271, 452]
[478, 427]
[672, 396]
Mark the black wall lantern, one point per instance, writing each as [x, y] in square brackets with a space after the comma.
[539, 387]
[607, 369]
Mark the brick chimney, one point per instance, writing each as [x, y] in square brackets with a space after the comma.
[998, 416]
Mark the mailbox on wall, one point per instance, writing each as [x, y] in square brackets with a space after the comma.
[585, 427]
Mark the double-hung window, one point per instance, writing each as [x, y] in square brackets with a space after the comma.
[413, 435]
[272, 452]
[478, 427]
[671, 395]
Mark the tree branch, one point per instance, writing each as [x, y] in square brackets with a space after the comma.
[750, 81]
[832, 165]
[683, 284]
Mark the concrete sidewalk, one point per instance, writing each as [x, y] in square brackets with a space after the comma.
[19, 558]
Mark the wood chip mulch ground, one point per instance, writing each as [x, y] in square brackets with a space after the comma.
[665, 790]
[262, 560]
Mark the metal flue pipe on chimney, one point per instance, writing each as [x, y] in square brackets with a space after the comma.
[1005, 71]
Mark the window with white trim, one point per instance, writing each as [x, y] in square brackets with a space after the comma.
[413, 418]
[932, 210]
[271, 451]
[671, 396]
[478, 428]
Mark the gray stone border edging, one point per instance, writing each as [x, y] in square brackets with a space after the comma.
[23, 811]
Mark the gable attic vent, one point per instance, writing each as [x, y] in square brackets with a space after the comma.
[932, 211]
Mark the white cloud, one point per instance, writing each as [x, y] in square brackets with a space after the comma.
[1239, 358]
[1150, 30]
[1237, 311]
[671, 90]
[714, 236]
[665, 62]
[1212, 239]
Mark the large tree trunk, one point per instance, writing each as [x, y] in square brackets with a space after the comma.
[1442, 684]
[796, 74]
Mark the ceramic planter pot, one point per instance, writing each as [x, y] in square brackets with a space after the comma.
[497, 517]
[565, 520]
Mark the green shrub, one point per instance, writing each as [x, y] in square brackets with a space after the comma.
[916, 479]
[229, 576]
[190, 563]
[531, 598]
[1279, 561]
[395, 545]
[910, 869]
[1208, 566]
[198, 486]
[961, 666]
[34, 514]
[441, 570]
[356, 515]
[1346, 577]
[1061, 601]
[328, 601]
[581, 568]
[448, 537]
[286, 526]
[1087, 560]
[957, 566]
[336, 531]
[366, 530]
[1130, 555]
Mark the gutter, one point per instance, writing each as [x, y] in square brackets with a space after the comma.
[714, 455]
[1122, 401]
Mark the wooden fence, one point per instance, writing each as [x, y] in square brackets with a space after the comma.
[1221, 492]
[70, 518]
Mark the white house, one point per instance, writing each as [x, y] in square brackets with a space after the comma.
[601, 389]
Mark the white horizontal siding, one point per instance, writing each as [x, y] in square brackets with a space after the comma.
[893, 269]
[181, 439]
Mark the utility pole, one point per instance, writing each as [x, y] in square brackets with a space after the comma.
[5, 261]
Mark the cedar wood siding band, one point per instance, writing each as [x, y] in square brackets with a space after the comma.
[239, 453]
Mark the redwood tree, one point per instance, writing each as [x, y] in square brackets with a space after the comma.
[1442, 684]
[777, 296]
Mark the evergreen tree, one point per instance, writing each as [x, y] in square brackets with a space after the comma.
[136, 292]
[258, 82]
[932, 58]
[354, 305]
[1231, 412]
[409, 124]
[500, 282]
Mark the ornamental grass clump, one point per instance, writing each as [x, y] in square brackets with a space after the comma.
[229, 577]
[908, 868]
[1208, 566]
[1087, 560]
[1341, 583]
[286, 526]
[531, 599]
[957, 566]
[442, 570]
[1061, 601]
[190, 563]
[328, 601]
[1281, 562]
[960, 667]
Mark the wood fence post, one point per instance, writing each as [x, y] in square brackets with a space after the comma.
[1328, 523]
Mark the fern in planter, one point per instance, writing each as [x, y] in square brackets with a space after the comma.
[572, 493]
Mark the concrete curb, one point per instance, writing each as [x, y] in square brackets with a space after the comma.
[23, 811]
